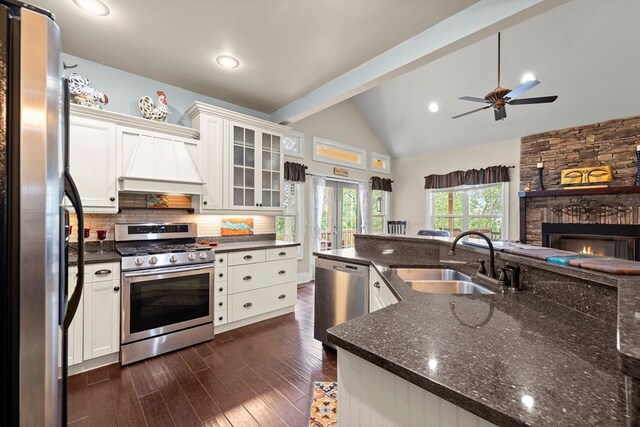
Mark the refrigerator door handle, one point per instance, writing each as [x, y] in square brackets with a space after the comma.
[71, 191]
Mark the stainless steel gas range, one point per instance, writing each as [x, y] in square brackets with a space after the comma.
[167, 289]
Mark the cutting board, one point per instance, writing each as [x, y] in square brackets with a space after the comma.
[537, 252]
[565, 260]
[607, 265]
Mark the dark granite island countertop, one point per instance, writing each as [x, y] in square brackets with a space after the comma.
[512, 359]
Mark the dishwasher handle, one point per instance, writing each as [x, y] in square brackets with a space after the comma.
[357, 269]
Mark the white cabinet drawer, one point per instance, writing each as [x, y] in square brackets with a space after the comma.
[73, 276]
[281, 253]
[104, 272]
[220, 288]
[259, 301]
[219, 303]
[247, 277]
[221, 274]
[246, 257]
[221, 260]
[220, 318]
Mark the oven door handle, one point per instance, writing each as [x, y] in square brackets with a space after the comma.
[166, 271]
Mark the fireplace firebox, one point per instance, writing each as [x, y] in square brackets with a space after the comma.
[612, 240]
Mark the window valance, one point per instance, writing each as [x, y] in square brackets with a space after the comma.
[295, 172]
[378, 183]
[490, 175]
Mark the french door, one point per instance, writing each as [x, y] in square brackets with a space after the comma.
[340, 216]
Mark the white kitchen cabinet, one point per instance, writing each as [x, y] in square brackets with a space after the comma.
[243, 305]
[256, 160]
[92, 163]
[102, 311]
[211, 161]
[380, 296]
[74, 338]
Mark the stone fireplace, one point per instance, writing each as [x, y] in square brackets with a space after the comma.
[604, 221]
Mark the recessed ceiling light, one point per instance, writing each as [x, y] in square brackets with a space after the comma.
[227, 61]
[527, 77]
[95, 7]
[434, 107]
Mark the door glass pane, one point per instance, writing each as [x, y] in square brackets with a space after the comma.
[266, 141]
[238, 196]
[250, 158]
[249, 199]
[238, 134]
[157, 303]
[327, 238]
[266, 198]
[275, 199]
[275, 181]
[349, 216]
[266, 161]
[248, 178]
[275, 144]
[237, 176]
[275, 162]
[249, 138]
[266, 179]
[238, 155]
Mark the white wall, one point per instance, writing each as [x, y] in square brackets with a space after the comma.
[341, 123]
[409, 197]
[124, 89]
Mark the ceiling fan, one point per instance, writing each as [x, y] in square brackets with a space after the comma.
[500, 96]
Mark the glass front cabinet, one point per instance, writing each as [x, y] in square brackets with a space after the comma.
[256, 169]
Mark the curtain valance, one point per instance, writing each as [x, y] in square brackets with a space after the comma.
[295, 172]
[490, 175]
[378, 183]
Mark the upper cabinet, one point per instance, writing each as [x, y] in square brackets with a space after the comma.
[242, 158]
[92, 163]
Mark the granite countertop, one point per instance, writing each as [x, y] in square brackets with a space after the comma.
[494, 354]
[94, 257]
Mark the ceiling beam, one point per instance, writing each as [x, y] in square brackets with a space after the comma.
[466, 27]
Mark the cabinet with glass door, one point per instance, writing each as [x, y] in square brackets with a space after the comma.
[256, 172]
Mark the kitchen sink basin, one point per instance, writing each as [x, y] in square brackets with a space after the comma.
[440, 281]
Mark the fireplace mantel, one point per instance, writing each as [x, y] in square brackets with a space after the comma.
[559, 192]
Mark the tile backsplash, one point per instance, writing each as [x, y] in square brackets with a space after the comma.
[208, 225]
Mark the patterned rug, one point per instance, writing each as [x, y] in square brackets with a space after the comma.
[324, 406]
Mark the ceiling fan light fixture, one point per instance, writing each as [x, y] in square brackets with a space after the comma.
[527, 77]
[94, 7]
[434, 107]
[227, 61]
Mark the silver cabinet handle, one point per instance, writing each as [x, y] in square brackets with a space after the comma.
[283, 296]
[281, 272]
[102, 272]
[245, 278]
[282, 253]
[376, 285]
[247, 257]
[247, 304]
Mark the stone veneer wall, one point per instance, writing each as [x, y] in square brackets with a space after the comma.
[208, 225]
[608, 143]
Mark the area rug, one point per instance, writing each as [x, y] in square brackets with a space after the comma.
[324, 406]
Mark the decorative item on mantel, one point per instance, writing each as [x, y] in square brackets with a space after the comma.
[83, 94]
[637, 165]
[151, 111]
[586, 177]
[236, 227]
[540, 167]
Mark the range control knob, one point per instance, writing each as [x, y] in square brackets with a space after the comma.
[139, 261]
[203, 255]
[192, 257]
[153, 260]
[173, 258]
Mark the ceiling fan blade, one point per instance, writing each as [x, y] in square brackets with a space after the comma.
[519, 90]
[470, 112]
[474, 99]
[500, 114]
[539, 100]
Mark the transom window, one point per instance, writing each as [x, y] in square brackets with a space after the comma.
[481, 208]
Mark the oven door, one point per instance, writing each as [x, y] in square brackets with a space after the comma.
[156, 302]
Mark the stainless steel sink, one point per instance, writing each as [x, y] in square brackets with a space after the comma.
[440, 281]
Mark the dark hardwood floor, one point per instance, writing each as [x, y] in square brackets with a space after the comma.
[258, 375]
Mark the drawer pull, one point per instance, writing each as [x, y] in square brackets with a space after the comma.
[220, 289]
[282, 253]
[376, 285]
[102, 272]
[245, 278]
[281, 272]
[247, 304]
[283, 296]
[220, 318]
[220, 275]
[247, 257]
[220, 304]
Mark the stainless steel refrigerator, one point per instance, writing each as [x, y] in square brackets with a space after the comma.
[34, 177]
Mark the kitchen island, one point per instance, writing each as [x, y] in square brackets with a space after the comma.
[544, 355]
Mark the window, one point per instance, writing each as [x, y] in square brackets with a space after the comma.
[379, 211]
[289, 224]
[480, 207]
[339, 154]
[293, 143]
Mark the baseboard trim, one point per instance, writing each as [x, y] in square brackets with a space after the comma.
[91, 364]
[304, 277]
[254, 319]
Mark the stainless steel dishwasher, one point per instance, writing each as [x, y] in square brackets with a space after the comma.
[341, 294]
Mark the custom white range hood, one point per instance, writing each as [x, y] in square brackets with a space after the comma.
[158, 163]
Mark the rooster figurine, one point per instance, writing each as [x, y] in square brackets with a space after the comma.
[151, 111]
[83, 94]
